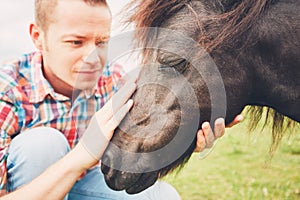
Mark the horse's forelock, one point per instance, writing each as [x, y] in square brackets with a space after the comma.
[151, 13]
[224, 28]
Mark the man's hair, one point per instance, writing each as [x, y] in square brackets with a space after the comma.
[44, 9]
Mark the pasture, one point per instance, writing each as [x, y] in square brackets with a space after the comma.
[239, 168]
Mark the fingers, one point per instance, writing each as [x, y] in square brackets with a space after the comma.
[208, 134]
[219, 127]
[200, 145]
[235, 121]
[114, 122]
[98, 133]
[104, 122]
[116, 102]
[206, 137]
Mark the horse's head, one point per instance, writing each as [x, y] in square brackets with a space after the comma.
[159, 133]
[179, 86]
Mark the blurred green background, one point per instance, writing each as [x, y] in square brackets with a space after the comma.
[239, 167]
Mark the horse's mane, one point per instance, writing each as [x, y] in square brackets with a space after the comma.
[280, 124]
[231, 21]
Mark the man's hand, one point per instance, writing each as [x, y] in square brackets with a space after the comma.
[206, 137]
[104, 122]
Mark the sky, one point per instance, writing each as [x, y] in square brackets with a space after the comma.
[14, 22]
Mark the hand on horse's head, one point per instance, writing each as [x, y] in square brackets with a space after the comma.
[206, 136]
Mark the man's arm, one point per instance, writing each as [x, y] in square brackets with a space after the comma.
[59, 178]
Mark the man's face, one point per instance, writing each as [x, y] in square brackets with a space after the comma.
[75, 45]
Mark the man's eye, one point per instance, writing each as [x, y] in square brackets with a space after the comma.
[75, 42]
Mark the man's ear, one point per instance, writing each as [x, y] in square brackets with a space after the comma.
[36, 35]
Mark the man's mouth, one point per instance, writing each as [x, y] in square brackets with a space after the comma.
[88, 71]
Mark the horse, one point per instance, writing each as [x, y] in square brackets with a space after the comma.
[203, 60]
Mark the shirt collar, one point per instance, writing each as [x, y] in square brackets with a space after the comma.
[40, 87]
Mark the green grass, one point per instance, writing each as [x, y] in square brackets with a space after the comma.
[239, 168]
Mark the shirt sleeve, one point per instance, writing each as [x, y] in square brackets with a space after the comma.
[8, 127]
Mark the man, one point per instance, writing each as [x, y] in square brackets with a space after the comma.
[52, 97]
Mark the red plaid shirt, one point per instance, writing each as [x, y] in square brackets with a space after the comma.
[27, 100]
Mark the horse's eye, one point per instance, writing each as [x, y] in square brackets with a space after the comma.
[178, 68]
[164, 67]
[181, 66]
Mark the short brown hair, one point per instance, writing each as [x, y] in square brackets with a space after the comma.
[44, 8]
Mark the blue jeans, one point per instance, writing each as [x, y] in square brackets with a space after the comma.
[31, 152]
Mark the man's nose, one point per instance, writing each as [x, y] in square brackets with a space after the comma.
[92, 56]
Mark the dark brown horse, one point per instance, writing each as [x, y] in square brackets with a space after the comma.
[203, 60]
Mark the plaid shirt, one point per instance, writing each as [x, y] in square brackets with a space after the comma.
[27, 100]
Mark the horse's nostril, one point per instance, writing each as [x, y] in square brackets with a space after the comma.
[106, 162]
[104, 169]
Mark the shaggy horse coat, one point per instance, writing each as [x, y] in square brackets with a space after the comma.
[208, 59]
